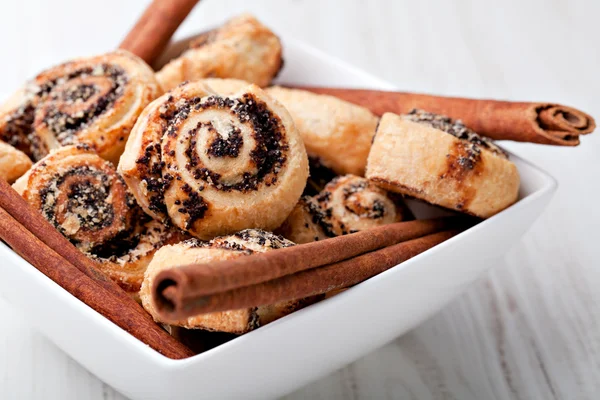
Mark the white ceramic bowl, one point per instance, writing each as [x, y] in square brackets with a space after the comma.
[291, 352]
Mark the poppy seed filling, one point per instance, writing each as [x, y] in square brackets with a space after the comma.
[86, 199]
[268, 155]
[456, 129]
[66, 125]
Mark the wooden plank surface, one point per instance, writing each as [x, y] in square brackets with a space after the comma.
[530, 328]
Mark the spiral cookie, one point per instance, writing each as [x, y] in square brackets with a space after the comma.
[85, 199]
[306, 223]
[13, 162]
[242, 48]
[194, 251]
[336, 132]
[93, 100]
[81, 195]
[214, 165]
[143, 172]
[352, 204]
[433, 158]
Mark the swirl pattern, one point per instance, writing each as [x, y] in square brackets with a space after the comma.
[85, 199]
[90, 100]
[352, 204]
[215, 164]
[81, 195]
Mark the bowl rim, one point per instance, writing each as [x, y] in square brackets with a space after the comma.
[548, 185]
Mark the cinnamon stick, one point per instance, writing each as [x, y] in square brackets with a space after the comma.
[203, 279]
[33, 221]
[295, 286]
[152, 32]
[33, 238]
[544, 123]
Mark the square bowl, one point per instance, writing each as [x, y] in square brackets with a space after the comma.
[288, 353]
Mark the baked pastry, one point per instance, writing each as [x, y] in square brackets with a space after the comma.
[351, 204]
[13, 162]
[306, 223]
[194, 251]
[125, 260]
[144, 173]
[93, 100]
[81, 195]
[214, 165]
[337, 132]
[85, 199]
[347, 204]
[242, 48]
[225, 87]
[443, 162]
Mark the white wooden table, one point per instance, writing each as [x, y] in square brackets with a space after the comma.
[527, 330]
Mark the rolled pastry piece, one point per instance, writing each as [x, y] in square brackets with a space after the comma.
[81, 195]
[13, 162]
[85, 199]
[433, 158]
[242, 48]
[94, 100]
[194, 251]
[141, 165]
[306, 223]
[225, 87]
[335, 131]
[214, 165]
[125, 260]
[352, 204]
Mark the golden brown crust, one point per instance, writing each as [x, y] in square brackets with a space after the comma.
[428, 163]
[242, 48]
[352, 203]
[93, 100]
[141, 162]
[219, 249]
[85, 199]
[337, 132]
[214, 165]
[13, 162]
[81, 195]
[225, 87]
